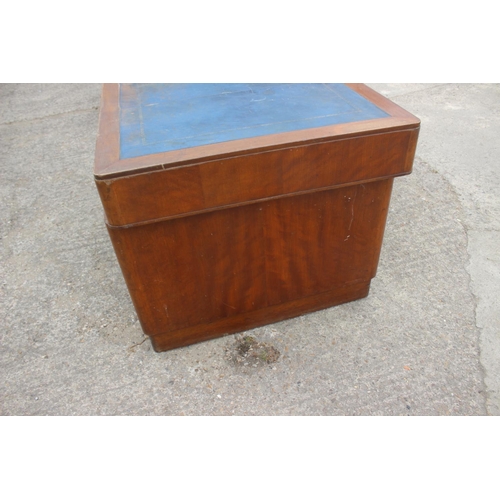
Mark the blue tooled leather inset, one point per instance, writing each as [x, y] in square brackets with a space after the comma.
[155, 118]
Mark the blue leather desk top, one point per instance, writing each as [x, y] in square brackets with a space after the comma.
[156, 118]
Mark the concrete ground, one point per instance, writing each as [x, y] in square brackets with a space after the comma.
[426, 341]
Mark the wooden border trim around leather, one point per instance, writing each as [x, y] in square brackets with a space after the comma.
[108, 165]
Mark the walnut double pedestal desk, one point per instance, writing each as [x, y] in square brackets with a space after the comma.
[231, 206]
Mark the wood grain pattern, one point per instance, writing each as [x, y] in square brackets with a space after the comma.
[200, 269]
[245, 179]
[259, 317]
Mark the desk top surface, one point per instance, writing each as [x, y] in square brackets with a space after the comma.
[157, 118]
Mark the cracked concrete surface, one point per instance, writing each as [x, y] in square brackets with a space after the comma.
[424, 342]
[459, 138]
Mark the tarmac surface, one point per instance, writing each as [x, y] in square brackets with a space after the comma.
[426, 341]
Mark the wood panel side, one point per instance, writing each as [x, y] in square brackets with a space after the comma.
[193, 270]
[170, 340]
[319, 241]
[412, 147]
[184, 274]
[247, 179]
[151, 195]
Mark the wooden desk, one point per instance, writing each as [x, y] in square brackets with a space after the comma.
[231, 206]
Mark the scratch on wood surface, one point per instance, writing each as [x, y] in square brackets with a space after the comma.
[352, 210]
